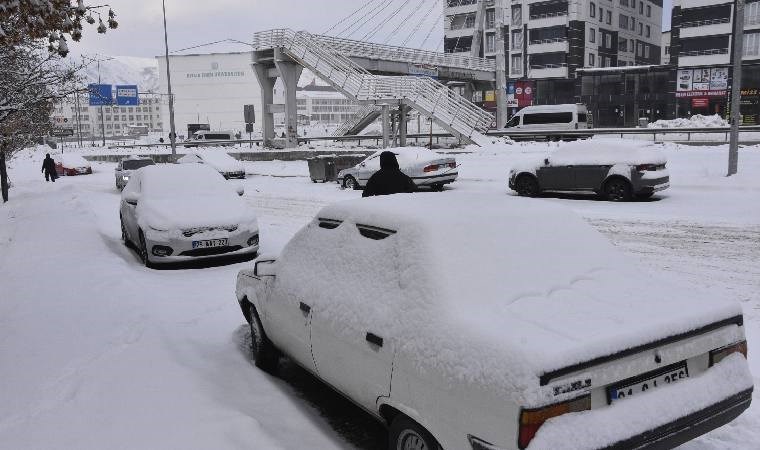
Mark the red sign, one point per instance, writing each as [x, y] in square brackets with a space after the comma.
[700, 103]
[524, 93]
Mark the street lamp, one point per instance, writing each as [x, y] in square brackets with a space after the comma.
[172, 130]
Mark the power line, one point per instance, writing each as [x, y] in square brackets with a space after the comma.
[419, 24]
[337, 24]
[403, 22]
[377, 27]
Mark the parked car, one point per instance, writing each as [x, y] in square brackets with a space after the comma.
[478, 322]
[616, 169]
[223, 163]
[128, 165]
[551, 117]
[426, 167]
[184, 212]
[203, 138]
[71, 164]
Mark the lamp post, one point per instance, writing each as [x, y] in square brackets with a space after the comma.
[736, 85]
[172, 130]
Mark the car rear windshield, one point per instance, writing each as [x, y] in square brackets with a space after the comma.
[136, 164]
[544, 118]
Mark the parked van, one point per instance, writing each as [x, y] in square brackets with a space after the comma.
[206, 137]
[551, 117]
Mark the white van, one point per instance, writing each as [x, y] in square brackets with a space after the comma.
[551, 117]
[205, 137]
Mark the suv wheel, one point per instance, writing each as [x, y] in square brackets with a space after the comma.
[617, 190]
[265, 356]
[406, 434]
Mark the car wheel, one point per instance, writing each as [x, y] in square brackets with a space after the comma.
[349, 182]
[617, 190]
[436, 187]
[124, 237]
[526, 186]
[265, 356]
[406, 434]
[143, 251]
[644, 196]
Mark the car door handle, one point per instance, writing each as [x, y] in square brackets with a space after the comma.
[374, 339]
[305, 308]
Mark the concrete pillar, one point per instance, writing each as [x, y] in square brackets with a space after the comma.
[290, 72]
[267, 98]
[469, 89]
[386, 116]
[402, 125]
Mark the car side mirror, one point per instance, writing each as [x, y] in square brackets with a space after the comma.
[131, 198]
[265, 268]
[363, 164]
[546, 161]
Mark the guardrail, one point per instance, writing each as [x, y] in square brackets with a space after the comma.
[519, 134]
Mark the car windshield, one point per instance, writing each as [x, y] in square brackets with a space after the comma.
[137, 164]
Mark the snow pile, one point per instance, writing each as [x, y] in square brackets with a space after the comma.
[217, 159]
[696, 121]
[71, 160]
[187, 196]
[471, 303]
[607, 152]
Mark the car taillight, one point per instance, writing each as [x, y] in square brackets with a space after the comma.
[646, 167]
[532, 419]
[717, 355]
[431, 168]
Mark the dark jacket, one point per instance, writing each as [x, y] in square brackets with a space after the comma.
[48, 165]
[389, 179]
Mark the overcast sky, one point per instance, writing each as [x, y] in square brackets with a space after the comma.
[195, 22]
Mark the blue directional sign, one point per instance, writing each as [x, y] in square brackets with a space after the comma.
[100, 94]
[127, 95]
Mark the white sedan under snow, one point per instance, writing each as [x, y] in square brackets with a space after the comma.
[505, 324]
[184, 212]
[223, 163]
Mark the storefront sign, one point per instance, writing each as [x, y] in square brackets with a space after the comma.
[524, 93]
[692, 94]
[423, 71]
[703, 82]
[700, 103]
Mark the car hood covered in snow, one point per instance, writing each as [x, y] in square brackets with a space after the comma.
[176, 213]
[490, 290]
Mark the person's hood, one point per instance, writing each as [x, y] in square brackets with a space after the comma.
[388, 161]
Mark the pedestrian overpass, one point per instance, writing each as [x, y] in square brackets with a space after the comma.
[383, 78]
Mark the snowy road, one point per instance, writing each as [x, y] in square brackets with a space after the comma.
[98, 352]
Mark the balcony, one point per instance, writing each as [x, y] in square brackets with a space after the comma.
[548, 45]
[547, 71]
[706, 57]
[548, 19]
[706, 27]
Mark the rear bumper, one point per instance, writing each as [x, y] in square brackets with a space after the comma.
[687, 428]
[435, 179]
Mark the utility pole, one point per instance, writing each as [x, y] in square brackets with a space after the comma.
[102, 118]
[79, 120]
[736, 87]
[172, 130]
[501, 67]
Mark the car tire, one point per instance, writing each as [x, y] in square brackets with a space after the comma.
[264, 355]
[644, 196]
[617, 190]
[124, 236]
[143, 251]
[436, 187]
[349, 182]
[526, 186]
[406, 434]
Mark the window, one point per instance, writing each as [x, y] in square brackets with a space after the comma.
[633, 4]
[623, 2]
[649, 11]
[640, 50]
[622, 44]
[607, 40]
[517, 41]
[646, 51]
[591, 61]
[751, 44]
[752, 13]
[516, 66]
[633, 23]
[667, 49]
[601, 14]
[649, 31]
[623, 22]
[591, 35]
[592, 9]
[490, 18]
[546, 118]
[517, 16]
[641, 29]
[609, 17]
[641, 7]
[490, 42]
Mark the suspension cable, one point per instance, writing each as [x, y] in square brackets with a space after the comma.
[380, 25]
[367, 13]
[382, 7]
[419, 24]
[339, 23]
[403, 22]
[435, 24]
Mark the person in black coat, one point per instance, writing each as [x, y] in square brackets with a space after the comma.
[389, 179]
[48, 166]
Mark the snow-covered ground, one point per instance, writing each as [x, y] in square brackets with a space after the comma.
[98, 352]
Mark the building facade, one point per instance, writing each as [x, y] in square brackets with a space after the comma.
[117, 121]
[546, 42]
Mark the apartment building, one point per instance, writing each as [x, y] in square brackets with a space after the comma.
[545, 42]
[117, 121]
[701, 50]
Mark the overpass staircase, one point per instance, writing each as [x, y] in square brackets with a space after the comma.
[448, 109]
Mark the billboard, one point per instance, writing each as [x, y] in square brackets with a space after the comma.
[127, 95]
[100, 94]
[511, 100]
[702, 82]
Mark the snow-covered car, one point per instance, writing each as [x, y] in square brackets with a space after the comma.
[223, 163]
[128, 165]
[478, 322]
[424, 166]
[183, 212]
[616, 169]
[71, 164]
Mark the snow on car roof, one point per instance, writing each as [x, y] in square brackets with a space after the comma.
[71, 160]
[217, 159]
[486, 289]
[608, 152]
[184, 179]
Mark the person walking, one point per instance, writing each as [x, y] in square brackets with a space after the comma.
[389, 179]
[48, 167]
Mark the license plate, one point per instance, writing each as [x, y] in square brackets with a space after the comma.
[211, 243]
[653, 380]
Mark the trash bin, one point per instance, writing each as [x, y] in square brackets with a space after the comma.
[643, 122]
[322, 168]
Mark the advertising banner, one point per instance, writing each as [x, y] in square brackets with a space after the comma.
[524, 93]
[100, 94]
[127, 95]
[705, 82]
[685, 80]
[718, 78]
[700, 103]
[701, 79]
[423, 71]
[511, 99]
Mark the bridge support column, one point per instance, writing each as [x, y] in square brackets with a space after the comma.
[267, 98]
[290, 72]
[402, 125]
[386, 116]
